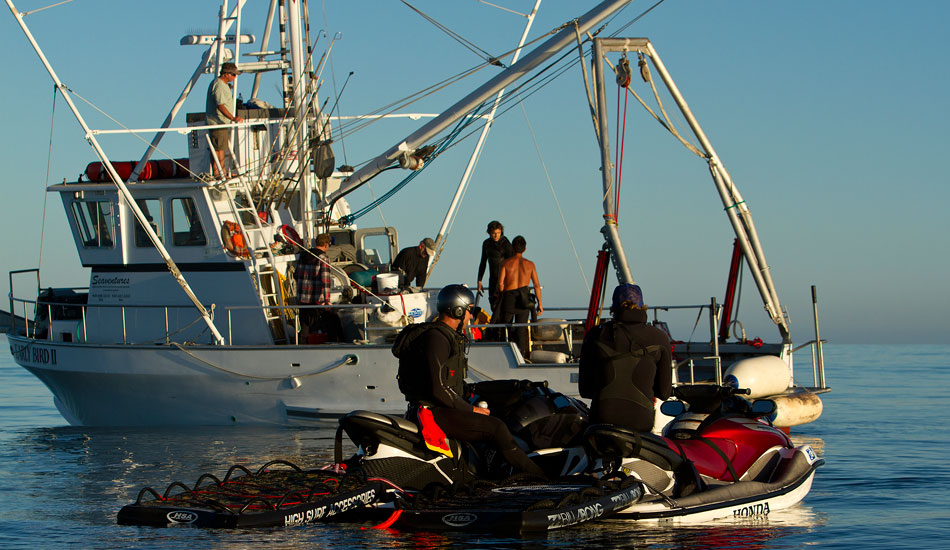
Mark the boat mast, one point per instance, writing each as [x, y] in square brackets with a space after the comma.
[123, 190]
[611, 235]
[551, 47]
[298, 65]
[473, 160]
[736, 208]
[265, 40]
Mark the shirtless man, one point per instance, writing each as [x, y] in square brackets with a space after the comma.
[516, 272]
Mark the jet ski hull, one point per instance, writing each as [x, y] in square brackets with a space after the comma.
[791, 481]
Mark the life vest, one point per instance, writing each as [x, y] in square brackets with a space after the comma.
[620, 364]
[412, 377]
[233, 239]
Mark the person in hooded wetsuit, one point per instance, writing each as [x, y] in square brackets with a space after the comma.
[432, 369]
[625, 365]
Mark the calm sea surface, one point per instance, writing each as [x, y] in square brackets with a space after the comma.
[884, 434]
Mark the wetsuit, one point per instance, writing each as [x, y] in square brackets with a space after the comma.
[625, 364]
[432, 369]
[512, 306]
[493, 253]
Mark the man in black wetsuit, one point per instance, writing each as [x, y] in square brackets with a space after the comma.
[414, 262]
[495, 249]
[626, 364]
[432, 368]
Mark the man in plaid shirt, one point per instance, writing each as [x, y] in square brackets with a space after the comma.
[313, 282]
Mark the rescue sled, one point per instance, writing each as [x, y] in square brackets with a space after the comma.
[278, 493]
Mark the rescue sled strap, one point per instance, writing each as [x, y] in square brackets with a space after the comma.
[732, 471]
[338, 445]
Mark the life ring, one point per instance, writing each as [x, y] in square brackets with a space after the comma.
[289, 235]
[233, 239]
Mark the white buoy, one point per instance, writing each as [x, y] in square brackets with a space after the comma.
[797, 408]
[548, 356]
[549, 331]
[764, 375]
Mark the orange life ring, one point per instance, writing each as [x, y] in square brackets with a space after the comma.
[233, 239]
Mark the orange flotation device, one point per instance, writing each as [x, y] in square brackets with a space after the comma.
[233, 239]
[432, 434]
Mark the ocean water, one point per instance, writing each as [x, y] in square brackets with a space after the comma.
[883, 434]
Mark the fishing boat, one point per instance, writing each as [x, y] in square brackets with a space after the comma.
[189, 316]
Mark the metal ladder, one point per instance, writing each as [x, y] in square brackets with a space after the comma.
[263, 265]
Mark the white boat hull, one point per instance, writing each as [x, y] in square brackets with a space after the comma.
[221, 385]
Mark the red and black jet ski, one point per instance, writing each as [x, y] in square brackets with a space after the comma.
[719, 457]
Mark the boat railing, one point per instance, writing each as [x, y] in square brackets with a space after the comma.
[817, 364]
[38, 325]
[13, 301]
[29, 308]
[365, 328]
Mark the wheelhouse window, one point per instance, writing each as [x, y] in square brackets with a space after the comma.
[95, 222]
[152, 208]
[375, 251]
[186, 224]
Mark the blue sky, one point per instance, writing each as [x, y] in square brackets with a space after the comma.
[830, 116]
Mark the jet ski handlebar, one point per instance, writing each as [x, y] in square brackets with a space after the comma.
[706, 397]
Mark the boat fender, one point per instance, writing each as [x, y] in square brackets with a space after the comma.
[233, 239]
[796, 408]
[548, 356]
[764, 375]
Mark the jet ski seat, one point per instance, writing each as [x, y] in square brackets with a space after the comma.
[367, 429]
[393, 448]
[613, 444]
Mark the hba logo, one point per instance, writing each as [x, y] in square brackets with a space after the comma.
[180, 516]
[459, 519]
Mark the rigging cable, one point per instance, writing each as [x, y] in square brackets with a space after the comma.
[24, 14]
[49, 162]
[632, 21]
[623, 81]
[463, 123]
[362, 122]
[359, 124]
[666, 122]
[458, 38]
[554, 194]
[326, 24]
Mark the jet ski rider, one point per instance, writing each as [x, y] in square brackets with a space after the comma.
[625, 365]
[432, 369]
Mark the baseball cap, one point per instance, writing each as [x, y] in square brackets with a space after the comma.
[430, 246]
[229, 68]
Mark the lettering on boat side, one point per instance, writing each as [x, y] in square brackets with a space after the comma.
[751, 511]
[27, 353]
[459, 519]
[109, 288]
[181, 516]
[575, 516]
[98, 280]
[318, 512]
